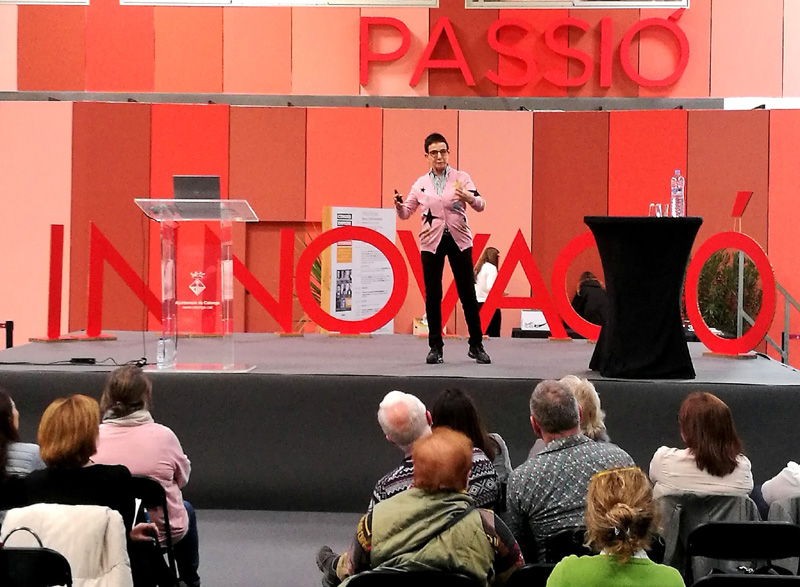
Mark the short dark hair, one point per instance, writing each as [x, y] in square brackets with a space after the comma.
[554, 407]
[435, 137]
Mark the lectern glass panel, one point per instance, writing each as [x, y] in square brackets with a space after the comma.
[197, 280]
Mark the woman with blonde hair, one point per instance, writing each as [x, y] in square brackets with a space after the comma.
[712, 462]
[68, 433]
[621, 522]
[592, 416]
[485, 275]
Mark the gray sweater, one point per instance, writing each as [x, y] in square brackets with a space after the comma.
[23, 458]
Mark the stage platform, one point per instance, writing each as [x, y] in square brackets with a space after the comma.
[299, 432]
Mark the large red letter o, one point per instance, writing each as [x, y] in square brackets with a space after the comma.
[751, 248]
[625, 52]
[574, 247]
[356, 233]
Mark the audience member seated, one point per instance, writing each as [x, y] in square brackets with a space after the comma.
[592, 416]
[547, 493]
[454, 408]
[405, 420]
[17, 459]
[621, 522]
[784, 485]
[130, 437]
[712, 462]
[591, 300]
[68, 435]
[433, 525]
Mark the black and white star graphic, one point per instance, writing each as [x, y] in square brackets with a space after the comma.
[428, 217]
[422, 190]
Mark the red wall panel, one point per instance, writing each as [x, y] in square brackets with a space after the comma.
[589, 42]
[268, 161]
[533, 44]
[110, 167]
[188, 49]
[728, 153]
[52, 48]
[120, 47]
[644, 150]
[747, 48]
[784, 214]
[257, 50]
[470, 27]
[344, 159]
[490, 142]
[186, 140]
[404, 160]
[570, 181]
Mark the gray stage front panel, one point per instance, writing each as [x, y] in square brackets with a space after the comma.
[308, 442]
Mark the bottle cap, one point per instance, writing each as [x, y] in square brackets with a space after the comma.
[677, 172]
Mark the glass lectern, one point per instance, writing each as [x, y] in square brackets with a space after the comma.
[205, 308]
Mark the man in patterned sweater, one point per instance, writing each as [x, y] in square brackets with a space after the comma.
[404, 420]
[547, 493]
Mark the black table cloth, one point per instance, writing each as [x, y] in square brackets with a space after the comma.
[644, 262]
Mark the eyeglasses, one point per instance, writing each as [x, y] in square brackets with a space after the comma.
[436, 153]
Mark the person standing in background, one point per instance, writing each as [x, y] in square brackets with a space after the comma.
[485, 276]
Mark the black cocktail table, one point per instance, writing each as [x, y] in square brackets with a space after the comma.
[644, 262]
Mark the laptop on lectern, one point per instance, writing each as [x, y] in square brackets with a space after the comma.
[195, 187]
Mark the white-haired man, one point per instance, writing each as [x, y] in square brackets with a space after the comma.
[547, 493]
[404, 420]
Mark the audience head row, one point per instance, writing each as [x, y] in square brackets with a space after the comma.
[404, 419]
[69, 428]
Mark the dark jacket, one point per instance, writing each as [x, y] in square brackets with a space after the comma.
[591, 302]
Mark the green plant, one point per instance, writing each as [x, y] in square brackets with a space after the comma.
[717, 291]
[315, 279]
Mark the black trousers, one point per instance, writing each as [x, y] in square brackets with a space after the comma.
[432, 270]
[493, 330]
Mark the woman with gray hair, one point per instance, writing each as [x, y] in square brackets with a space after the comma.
[592, 416]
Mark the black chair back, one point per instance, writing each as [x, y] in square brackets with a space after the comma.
[395, 578]
[722, 580]
[33, 567]
[153, 495]
[534, 575]
[748, 542]
[566, 542]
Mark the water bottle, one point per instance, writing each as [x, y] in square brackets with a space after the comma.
[677, 199]
[165, 355]
[161, 354]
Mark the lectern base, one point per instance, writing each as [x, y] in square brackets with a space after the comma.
[202, 368]
[74, 337]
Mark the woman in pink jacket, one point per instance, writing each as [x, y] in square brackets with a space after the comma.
[443, 194]
[130, 437]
